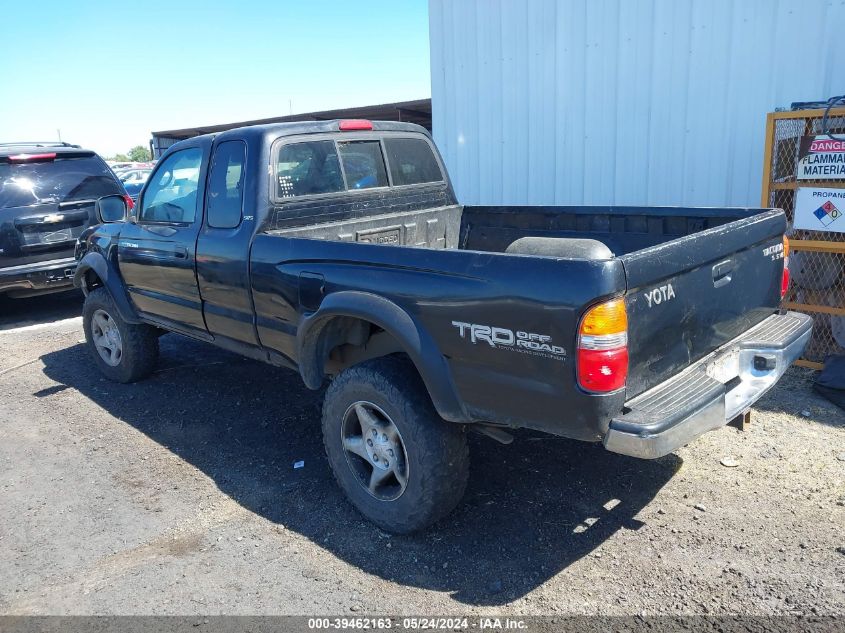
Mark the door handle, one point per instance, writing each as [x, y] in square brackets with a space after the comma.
[178, 252]
[722, 273]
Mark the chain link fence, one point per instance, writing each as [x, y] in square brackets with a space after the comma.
[817, 257]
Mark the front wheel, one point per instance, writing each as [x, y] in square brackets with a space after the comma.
[123, 352]
[400, 464]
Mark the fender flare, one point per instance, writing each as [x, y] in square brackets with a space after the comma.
[107, 272]
[413, 339]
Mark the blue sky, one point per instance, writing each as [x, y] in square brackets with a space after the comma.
[108, 73]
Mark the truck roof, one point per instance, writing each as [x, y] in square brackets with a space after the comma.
[276, 130]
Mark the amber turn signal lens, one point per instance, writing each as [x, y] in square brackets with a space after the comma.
[785, 246]
[606, 318]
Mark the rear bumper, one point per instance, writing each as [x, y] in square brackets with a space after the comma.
[711, 392]
[55, 274]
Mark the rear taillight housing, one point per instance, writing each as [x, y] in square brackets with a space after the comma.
[603, 347]
[348, 125]
[784, 282]
[32, 158]
[130, 203]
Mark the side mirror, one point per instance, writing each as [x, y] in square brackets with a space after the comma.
[111, 209]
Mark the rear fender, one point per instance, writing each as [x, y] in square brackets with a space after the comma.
[111, 280]
[414, 341]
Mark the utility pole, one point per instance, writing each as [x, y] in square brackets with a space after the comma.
[59, 132]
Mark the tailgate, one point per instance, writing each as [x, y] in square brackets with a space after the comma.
[691, 295]
[42, 232]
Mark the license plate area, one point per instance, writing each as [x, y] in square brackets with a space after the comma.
[387, 236]
[724, 367]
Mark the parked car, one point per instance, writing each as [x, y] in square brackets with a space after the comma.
[117, 166]
[138, 176]
[338, 249]
[133, 180]
[47, 196]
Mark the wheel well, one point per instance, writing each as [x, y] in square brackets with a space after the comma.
[348, 341]
[90, 280]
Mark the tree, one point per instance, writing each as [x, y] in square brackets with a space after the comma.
[140, 154]
[119, 158]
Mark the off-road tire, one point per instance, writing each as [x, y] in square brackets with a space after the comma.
[139, 342]
[437, 453]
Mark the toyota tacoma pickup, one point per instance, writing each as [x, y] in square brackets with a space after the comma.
[338, 249]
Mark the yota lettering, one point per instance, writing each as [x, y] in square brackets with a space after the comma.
[659, 295]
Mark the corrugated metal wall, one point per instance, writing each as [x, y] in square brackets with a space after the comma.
[622, 101]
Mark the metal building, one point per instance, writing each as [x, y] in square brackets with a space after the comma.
[657, 102]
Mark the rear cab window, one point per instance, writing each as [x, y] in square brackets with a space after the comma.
[337, 165]
[411, 161]
[363, 164]
[65, 178]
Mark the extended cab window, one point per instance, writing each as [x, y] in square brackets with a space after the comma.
[411, 161]
[171, 195]
[308, 168]
[225, 185]
[363, 164]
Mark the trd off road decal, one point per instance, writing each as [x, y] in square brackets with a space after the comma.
[503, 338]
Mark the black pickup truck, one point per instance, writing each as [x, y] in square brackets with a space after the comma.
[338, 249]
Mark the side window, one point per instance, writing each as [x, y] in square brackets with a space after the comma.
[411, 161]
[307, 168]
[172, 193]
[363, 164]
[225, 185]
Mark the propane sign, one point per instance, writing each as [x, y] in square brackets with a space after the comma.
[821, 158]
[820, 209]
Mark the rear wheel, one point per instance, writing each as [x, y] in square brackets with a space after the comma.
[399, 463]
[123, 352]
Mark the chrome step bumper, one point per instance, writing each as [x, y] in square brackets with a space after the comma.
[712, 391]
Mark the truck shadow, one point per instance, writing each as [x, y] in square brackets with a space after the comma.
[532, 508]
[16, 313]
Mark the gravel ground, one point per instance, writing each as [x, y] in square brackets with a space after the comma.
[177, 495]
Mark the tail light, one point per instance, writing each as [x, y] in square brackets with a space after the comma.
[130, 203]
[24, 158]
[603, 347]
[784, 283]
[348, 125]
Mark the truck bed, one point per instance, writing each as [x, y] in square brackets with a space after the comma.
[492, 229]
[678, 311]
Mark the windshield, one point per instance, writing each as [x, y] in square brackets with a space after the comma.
[60, 180]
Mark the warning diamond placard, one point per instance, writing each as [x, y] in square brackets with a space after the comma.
[819, 209]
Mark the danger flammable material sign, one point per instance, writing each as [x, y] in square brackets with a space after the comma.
[821, 158]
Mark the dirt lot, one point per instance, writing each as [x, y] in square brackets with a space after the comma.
[178, 495]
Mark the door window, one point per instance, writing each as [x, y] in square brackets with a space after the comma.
[172, 193]
[225, 185]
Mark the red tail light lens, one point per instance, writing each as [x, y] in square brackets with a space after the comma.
[25, 158]
[784, 282]
[355, 124]
[603, 348]
[602, 371]
[130, 203]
